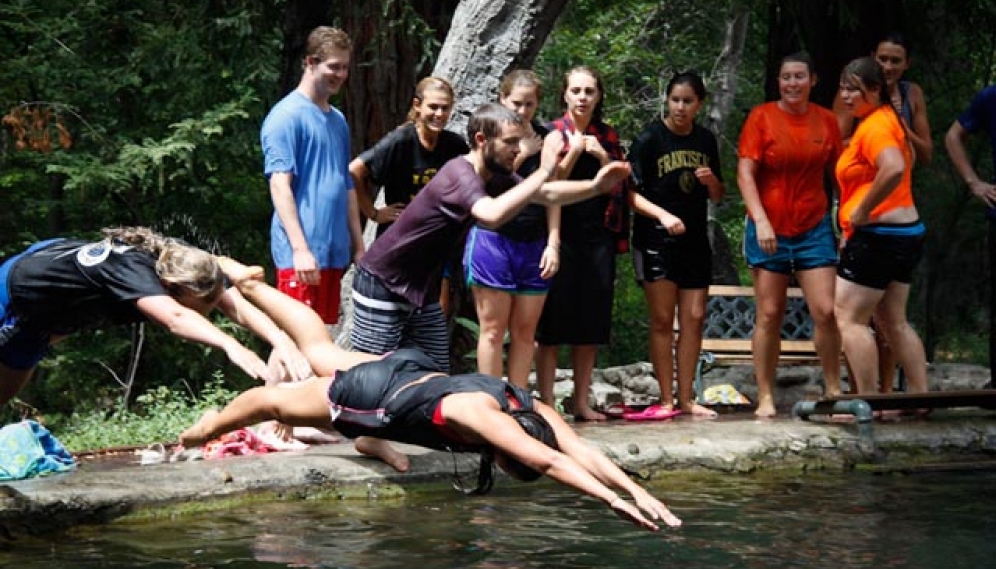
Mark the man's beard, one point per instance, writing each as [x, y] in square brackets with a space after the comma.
[491, 162]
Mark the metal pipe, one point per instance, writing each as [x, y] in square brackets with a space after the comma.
[860, 408]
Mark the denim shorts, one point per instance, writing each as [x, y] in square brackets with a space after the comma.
[812, 249]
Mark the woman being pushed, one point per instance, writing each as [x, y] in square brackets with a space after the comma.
[402, 397]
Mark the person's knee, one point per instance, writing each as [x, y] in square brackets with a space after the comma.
[825, 322]
[492, 335]
[662, 327]
[769, 320]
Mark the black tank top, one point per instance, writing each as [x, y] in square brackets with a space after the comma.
[377, 399]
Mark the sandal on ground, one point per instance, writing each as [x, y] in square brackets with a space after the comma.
[653, 413]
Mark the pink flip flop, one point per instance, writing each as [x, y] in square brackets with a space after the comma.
[652, 413]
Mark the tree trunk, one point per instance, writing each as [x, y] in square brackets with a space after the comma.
[724, 80]
[487, 39]
[300, 17]
[394, 45]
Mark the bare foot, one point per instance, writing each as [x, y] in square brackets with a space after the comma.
[200, 432]
[239, 273]
[698, 410]
[379, 448]
[589, 414]
[765, 407]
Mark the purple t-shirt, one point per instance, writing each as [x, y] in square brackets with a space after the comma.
[409, 257]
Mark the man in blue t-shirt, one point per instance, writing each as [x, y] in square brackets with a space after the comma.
[315, 230]
[980, 116]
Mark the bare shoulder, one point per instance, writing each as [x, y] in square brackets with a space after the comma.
[916, 95]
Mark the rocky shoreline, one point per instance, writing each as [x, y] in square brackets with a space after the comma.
[635, 384]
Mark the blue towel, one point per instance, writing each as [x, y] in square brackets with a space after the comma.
[28, 449]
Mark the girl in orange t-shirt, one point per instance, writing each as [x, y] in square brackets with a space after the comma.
[883, 232]
[786, 149]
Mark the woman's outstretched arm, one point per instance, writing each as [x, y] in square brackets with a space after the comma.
[477, 415]
[286, 354]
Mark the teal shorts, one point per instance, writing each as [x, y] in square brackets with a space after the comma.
[812, 249]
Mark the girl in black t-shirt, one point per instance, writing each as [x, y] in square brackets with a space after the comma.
[509, 268]
[676, 168]
[408, 157]
[59, 286]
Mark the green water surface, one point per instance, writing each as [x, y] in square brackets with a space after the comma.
[859, 520]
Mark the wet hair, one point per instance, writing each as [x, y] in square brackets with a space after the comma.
[183, 268]
[871, 76]
[597, 113]
[430, 83]
[799, 57]
[520, 78]
[537, 427]
[691, 79]
[323, 40]
[487, 120]
[869, 73]
[896, 38]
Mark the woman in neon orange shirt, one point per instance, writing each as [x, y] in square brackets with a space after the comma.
[882, 230]
[892, 52]
[786, 149]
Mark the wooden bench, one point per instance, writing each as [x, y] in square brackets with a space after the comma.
[984, 398]
[729, 324]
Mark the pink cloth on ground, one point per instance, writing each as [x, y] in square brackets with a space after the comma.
[240, 442]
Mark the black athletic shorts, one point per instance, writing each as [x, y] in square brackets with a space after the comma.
[876, 255]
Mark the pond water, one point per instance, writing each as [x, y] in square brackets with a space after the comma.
[858, 520]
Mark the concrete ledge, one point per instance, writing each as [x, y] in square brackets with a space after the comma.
[97, 493]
